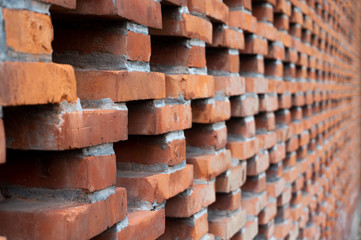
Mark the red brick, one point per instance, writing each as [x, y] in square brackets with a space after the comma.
[229, 85]
[243, 149]
[189, 26]
[169, 148]
[266, 230]
[226, 37]
[65, 126]
[275, 187]
[232, 179]
[266, 30]
[256, 184]
[217, 10]
[244, 105]
[282, 22]
[138, 47]
[224, 227]
[241, 127]
[239, 3]
[243, 20]
[223, 60]
[209, 166]
[257, 85]
[52, 84]
[277, 153]
[282, 229]
[59, 170]
[268, 213]
[285, 196]
[258, 164]
[251, 64]
[276, 51]
[229, 201]
[253, 203]
[268, 102]
[33, 32]
[263, 12]
[249, 231]
[120, 86]
[194, 227]
[265, 121]
[274, 171]
[61, 220]
[210, 110]
[210, 136]
[143, 225]
[189, 86]
[255, 45]
[146, 13]
[148, 188]
[191, 201]
[156, 117]
[177, 52]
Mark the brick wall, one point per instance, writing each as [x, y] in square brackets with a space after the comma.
[179, 119]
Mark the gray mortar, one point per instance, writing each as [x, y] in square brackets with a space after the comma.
[95, 60]
[32, 5]
[135, 169]
[144, 205]
[100, 150]
[104, 104]
[221, 213]
[43, 194]
[137, 28]
[138, 66]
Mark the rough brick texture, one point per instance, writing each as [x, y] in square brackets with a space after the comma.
[179, 119]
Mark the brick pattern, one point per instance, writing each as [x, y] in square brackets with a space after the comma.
[179, 119]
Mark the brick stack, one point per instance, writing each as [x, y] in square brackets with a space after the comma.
[179, 119]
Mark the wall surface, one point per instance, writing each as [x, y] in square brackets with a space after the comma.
[179, 119]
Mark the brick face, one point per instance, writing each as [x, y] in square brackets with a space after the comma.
[179, 119]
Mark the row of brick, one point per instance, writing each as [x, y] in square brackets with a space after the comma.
[179, 119]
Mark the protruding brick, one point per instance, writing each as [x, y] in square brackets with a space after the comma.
[120, 86]
[61, 220]
[65, 126]
[27, 83]
[169, 148]
[157, 117]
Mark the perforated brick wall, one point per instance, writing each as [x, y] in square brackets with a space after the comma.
[179, 119]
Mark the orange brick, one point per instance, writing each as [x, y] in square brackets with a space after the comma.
[208, 166]
[52, 84]
[194, 227]
[210, 136]
[190, 26]
[156, 117]
[120, 86]
[60, 170]
[189, 86]
[142, 225]
[146, 13]
[225, 227]
[232, 179]
[191, 201]
[65, 126]
[33, 32]
[59, 219]
[154, 187]
[210, 110]
[169, 148]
